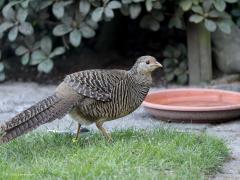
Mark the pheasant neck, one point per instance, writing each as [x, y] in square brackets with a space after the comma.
[140, 78]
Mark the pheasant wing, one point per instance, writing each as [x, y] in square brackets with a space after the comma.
[96, 84]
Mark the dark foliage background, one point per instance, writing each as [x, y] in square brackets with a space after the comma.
[43, 40]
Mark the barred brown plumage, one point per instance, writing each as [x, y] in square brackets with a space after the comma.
[91, 96]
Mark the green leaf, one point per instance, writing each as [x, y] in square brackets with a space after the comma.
[97, 14]
[44, 4]
[25, 59]
[135, 10]
[2, 76]
[12, 35]
[26, 28]
[154, 25]
[125, 10]
[210, 25]
[168, 52]
[58, 9]
[126, 1]
[186, 4]
[236, 12]
[21, 50]
[157, 5]
[196, 2]
[108, 12]
[2, 2]
[183, 65]
[168, 70]
[57, 51]
[61, 29]
[5, 26]
[231, 1]
[207, 5]
[37, 57]
[182, 48]
[149, 5]
[84, 7]
[138, 1]
[148, 22]
[178, 71]
[25, 3]
[176, 53]
[75, 38]
[1, 66]
[214, 14]
[45, 66]
[177, 22]
[8, 11]
[46, 45]
[169, 77]
[220, 5]
[158, 15]
[114, 5]
[238, 22]
[224, 27]
[182, 79]
[87, 32]
[197, 9]
[168, 63]
[92, 24]
[196, 18]
[66, 3]
[22, 14]
[36, 45]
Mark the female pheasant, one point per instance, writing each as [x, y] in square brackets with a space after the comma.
[91, 96]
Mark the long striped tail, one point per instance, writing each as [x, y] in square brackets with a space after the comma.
[45, 111]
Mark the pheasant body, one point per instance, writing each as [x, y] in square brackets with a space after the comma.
[91, 96]
[126, 95]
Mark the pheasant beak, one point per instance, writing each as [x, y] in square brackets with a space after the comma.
[157, 64]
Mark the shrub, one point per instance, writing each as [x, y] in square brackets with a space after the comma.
[39, 31]
[175, 63]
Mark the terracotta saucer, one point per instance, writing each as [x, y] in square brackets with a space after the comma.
[194, 105]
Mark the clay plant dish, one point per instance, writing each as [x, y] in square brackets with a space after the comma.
[194, 105]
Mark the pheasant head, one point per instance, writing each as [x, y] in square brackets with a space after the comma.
[145, 65]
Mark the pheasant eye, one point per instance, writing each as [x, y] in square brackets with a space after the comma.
[147, 62]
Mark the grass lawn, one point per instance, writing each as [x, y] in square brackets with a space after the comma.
[160, 154]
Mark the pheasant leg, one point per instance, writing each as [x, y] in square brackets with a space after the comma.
[104, 131]
[78, 131]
